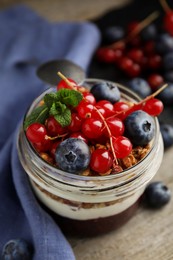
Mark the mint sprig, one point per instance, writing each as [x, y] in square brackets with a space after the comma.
[57, 104]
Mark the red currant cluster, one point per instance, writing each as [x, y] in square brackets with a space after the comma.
[139, 53]
[100, 124]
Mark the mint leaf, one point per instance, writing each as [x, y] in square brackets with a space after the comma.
[39, 115]
[61, 113]
[69, 97]
[49, 99]
[65, 118]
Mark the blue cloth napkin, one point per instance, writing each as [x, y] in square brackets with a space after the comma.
[27, 40]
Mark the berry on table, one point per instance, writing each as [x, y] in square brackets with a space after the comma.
[157, 195]
[167, 134]
[17, 249]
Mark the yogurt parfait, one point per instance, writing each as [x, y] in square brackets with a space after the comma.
[90, 151]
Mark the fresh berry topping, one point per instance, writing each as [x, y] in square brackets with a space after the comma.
[54, 128]
[65, 84]
[84, 109]
[153, 107]
[92, 128]
[72, 155]
[106, 91]
[17, 249]
[101, 160]
[115, 125]
[122, 146]
[167, 134]
[36, 133]
[139, 127]
[76, 123]
[108, 107]
[157, 195]
[89, 98]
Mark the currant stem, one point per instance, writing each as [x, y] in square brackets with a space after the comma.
[55, 137]
[115, 161]
[165, 6]
[154, 94]
[70, 84]
[149, 19]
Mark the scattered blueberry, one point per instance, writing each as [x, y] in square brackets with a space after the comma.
[167, 134]
[157, 195]
[166, 96]
[17, 249]
[140, 86]
[168, 76]
[72, 155]
[113, 33]
[168, 61]
[106, 91]
[149, 33]
[139, 127]
[164, 43]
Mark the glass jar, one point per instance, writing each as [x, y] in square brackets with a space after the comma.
[88, 205]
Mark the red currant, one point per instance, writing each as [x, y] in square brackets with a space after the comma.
[115, 125]
[134, 70]
[101, 160]
[155, 81]
[122, 146]
[43, 146]
[53, 148]
[106, 55]
[92, 128]
[135, 54]
[120, 106]
[107, 106]
[84, 109]
[79, 135]
[64, 84]
[95, 114]
[168, 22]
[36, 133]
[153, 107]
[54, 128]
[89, 98]
[154, 61]
[76, 123]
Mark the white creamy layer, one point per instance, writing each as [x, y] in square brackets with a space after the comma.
[79, 213]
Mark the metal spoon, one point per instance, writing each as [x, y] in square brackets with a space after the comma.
[48, 71]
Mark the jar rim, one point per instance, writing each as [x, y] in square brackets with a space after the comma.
[55, 172]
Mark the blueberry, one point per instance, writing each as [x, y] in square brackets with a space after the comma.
[168, 61]
[168, 76]
[113, 33]
[72, 155]
[167, 134]
[140, 86]
[139, 127]
[149, 33]
[166, 96]
[157, 194]
[17, 249]
[106, 90]
[164, 43]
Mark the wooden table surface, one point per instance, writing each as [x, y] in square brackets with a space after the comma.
[149, 234]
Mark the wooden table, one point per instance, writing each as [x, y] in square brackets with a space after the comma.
[149, 234]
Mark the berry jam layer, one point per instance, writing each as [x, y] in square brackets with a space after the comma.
[93, 227]
[88, 219]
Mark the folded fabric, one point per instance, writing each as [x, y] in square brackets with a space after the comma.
[27, 41]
